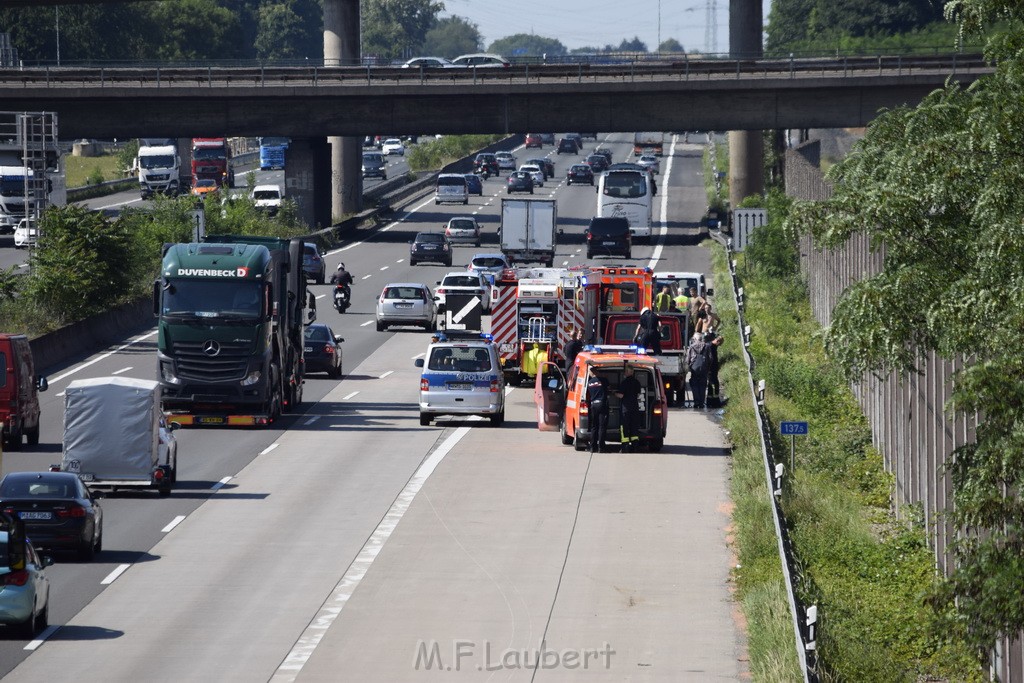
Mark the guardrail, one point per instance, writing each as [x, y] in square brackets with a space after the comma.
[804, 617]
[683, 68]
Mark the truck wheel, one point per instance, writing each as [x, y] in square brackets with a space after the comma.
[32, 435]
[164, 491]
[14, 439]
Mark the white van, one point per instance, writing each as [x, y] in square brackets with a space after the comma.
[451, 187]
[267, 198]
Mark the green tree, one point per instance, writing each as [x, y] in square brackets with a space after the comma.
[451, 37]
[635, 45]
[527, 44]
[290, 29]
[792, 22]
[396, 29]
[671, 45]
[938, 188]
[195, 29]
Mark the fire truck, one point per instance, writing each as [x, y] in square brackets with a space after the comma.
[606, 290]
[533, 306]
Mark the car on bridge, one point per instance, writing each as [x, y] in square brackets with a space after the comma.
[427, 63]
[481, 59]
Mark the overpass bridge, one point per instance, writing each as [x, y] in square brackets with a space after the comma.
[310, 103]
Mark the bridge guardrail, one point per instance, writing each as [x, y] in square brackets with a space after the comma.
[334, 76]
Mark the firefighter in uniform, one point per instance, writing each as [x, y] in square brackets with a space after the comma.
[629, 410]
[597, 401]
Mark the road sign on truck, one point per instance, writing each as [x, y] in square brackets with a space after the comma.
[529, 229]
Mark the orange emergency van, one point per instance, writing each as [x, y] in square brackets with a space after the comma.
[562, 400]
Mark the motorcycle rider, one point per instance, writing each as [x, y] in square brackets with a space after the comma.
[341, 276]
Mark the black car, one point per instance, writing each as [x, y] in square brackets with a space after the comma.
[375, 165]
[567, 145]
[323, 350]
[519, 181]
[59, 512]
[313, 266]
[579, 173]
[546, 165]
[547, 138]
[577, 137]
[430, 246]
[489, 160]
[606, 152]
[598, 162]
[608, 237]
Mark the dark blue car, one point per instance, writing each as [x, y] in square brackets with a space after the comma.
[474, 184]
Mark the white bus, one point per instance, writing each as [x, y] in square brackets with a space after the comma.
[628, 193]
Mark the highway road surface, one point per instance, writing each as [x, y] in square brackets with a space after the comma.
[350, 543]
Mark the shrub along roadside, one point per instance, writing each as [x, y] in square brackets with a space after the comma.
[435, 154]
[867, 571]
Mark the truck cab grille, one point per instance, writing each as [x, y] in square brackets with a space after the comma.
[228, 364]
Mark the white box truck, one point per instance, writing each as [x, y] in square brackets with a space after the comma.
[159, 170]
[115, 435]
[529, 230]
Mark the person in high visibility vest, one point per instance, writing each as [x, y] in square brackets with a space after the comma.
[663, 300]
[682, 301]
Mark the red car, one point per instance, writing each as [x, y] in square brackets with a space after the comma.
[534, 140]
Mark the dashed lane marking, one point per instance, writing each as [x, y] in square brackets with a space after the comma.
[345, 398]
[269, 448]
[174, 522]
[389, 372]
[112, 576]
[220, 484]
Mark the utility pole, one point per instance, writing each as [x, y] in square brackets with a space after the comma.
[56, 20]
[659, 27]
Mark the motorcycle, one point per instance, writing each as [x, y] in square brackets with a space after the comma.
[483, 170]
[342, 298]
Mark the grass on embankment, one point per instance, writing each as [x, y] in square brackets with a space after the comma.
[82, 171]
[867, 572]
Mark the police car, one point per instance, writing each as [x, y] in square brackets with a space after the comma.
[462, 376]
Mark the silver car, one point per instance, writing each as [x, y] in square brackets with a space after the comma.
[24, 593]
[506, 161]
[649, 162]
[488, 265]
[465, 282]
[463, 229]
[536, 171]
[406, 303]
[462, 376]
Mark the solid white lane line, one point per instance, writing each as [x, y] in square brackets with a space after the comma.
[112, 576]
[368, 322]
[345, 398]
[311, 420]
[269, 448]
[174, 522]
[332, 607]
[220, 484]
[664, 206]
[389, 372]
[104, 356]
[118, 372]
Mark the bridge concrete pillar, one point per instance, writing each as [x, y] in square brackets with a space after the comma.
[341, 47]
[307, 180]
[746, 147]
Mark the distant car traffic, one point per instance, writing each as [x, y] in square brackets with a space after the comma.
[24, 592]
[474, 184]
[204, 186]
[579, 173]
[536, 172]
[451, 187]
[58, 511]
[267, 198]
[649, 162]
[567, 146]
[481, 59]
[322, 352]
[519, 181]
[313, 265]
[577, 137]
[427, 63]
[533, 140]
[488, 265]
[26, 233]
[463, 229]
[588, 136]
[406, 303]
[375, 165]
[464, 282]
[462, 376]
[598, 162]
[393, 146]
[488, 160]
[506, 161]
[545, 164]
[606, 152]
[547, 138]
[430, 246]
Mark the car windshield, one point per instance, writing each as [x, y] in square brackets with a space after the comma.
[460, 359]
[404, 293]
[12, 186]
[35, 487]
[520, 175]
[428, 237]
[627, 184]
[488, 262]
[318, 333]
[273, 142]
[207, 153]
[503, 155]
[205, 298]
[452, 181]
[530, 169]
[373, 159]
[206, 182]
[266, 194]
[580, 168]
[392, 141]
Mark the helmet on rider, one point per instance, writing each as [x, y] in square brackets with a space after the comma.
[341, 266]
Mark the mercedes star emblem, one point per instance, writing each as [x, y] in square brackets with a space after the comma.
[211, 348]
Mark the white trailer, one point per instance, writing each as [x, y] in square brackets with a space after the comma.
[529, 230]
[114, 434]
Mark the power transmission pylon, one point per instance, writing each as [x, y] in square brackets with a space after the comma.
[711, 27]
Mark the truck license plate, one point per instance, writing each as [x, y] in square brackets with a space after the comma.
[211, 420]
[85, 476]
[36, 515]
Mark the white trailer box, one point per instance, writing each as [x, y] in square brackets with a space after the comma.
[112, 433]
[529, 230]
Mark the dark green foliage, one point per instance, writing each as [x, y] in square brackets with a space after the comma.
[290, 29]
[817, 22]
[527, 45]
[635, 45]
[670, 45]
[773, 250]
[451, 37]
[395, 28]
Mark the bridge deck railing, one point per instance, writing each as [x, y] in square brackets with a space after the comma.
[683, 69]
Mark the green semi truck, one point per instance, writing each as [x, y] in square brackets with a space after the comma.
[231, 311]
